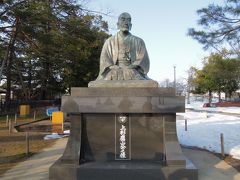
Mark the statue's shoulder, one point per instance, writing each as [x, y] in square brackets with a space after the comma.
[137, 39]
[111, 38]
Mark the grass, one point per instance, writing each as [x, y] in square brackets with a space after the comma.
[13, 145]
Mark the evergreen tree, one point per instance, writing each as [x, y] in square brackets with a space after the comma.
[217, 75]
[220, 27]
[49, 46]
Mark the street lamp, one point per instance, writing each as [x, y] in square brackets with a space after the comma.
[174, 67]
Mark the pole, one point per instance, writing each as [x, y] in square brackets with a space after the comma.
[27, 143]
[63, 125]
[10, 126]
[188, 88]
[15, 119]
[34, 115]
[185, 124]
[7, 121]
[174, 77]
[222, 145]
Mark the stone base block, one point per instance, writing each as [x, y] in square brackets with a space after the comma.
[146, 170]
[125, 133]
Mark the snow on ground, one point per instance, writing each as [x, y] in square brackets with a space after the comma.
[204, 129]
[198, 105]
[54, 136]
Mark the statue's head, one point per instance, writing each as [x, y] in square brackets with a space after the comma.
[124, 22]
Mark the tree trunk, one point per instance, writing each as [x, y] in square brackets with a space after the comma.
[30, 80]
[210, 97]
[47, 66]
[9, 62]
[219, 96]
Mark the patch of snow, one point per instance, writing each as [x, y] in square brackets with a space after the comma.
[204, 128]
[53, 136]
[66, 132]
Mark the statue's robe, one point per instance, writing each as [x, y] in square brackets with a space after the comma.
[111, 55]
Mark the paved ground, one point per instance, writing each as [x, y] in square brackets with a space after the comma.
[211, 167]
[36, 168]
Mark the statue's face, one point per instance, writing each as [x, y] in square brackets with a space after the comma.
[124, 22]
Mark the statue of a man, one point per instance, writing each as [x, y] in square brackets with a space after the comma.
[124, 56]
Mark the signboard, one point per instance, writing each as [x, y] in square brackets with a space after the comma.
[49, 111]
[122, 138]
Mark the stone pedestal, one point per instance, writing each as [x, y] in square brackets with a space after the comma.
[123, 133]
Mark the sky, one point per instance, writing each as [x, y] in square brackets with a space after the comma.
[163, 26]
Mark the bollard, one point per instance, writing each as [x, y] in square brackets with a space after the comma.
[7, 121]
[27, 144]
[185, 124]
[222, 145]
